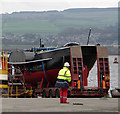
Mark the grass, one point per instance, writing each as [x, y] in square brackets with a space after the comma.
[29, 26]
[18, 24]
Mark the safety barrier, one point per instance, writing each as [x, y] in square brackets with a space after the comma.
[18, 93]
[10, 92]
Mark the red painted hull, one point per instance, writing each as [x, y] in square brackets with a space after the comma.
[32, 78]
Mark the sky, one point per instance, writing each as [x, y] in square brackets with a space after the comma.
[9, 6]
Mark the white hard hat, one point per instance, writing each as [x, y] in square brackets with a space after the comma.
[66, 64]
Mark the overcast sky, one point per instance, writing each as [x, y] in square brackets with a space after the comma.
[45, 5]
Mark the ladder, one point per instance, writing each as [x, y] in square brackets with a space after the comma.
[16, 86]
[78, 72]
[103, 73]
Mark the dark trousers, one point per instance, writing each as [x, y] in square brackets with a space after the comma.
[63, 95]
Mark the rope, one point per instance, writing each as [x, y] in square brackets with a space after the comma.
[43, 67]
[44, 70]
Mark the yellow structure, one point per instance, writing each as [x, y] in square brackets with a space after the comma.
[7, 89]
[4, 89]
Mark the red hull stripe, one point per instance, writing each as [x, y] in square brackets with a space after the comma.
[32, 78]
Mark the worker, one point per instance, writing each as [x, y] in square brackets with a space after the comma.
[63, 80]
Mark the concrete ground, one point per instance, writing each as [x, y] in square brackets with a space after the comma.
[53, 105]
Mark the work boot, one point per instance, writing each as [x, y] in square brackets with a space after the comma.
[66, 103]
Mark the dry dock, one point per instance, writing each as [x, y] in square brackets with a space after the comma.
[53, 105]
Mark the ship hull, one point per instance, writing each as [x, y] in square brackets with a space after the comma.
[33, 78]
[48, 70]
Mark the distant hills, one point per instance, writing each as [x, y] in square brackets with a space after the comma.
[90, 9]
[59, 27]
[72, 10]
[55, 21]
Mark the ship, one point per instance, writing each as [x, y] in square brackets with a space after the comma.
[38, 68]
[46, 64]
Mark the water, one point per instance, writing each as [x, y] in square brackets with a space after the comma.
[93, 81]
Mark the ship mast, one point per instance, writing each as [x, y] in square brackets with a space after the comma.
[89, 36]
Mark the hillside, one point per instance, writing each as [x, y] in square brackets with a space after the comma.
[54, 21]
[59, 27]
